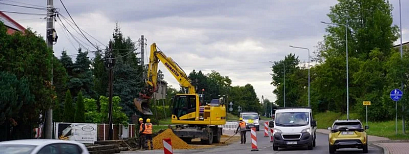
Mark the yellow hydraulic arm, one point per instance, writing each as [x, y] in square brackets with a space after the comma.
[172, 66]
[145, 95]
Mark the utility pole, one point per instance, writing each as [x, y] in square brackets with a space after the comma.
[111, 63]
[401, 56]
[142, 41]
[50, 39]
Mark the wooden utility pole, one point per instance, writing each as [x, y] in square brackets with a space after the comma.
[111, 63]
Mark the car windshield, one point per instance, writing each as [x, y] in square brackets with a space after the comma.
[292, 119]
[16, 149]
[250, 116]
[349, 125]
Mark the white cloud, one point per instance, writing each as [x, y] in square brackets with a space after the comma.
[235, 37]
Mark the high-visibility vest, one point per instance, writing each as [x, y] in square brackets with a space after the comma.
[242, 125]
[148, 128]
[140, 127]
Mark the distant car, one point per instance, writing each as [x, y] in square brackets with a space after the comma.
[42, 146]
[252, 120]
[348, 134]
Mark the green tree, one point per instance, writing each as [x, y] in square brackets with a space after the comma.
[26, 55]
[118, 116]
[100, 75]
[127, 71]
[60, 78]
[57, 112]
[69, 111]
[79, 109]
[289, 66]
[368, 27]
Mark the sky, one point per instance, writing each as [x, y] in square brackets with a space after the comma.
[236, 38]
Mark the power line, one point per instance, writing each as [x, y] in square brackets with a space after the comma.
[68, 37]
[82, 29]
[24, 3]
[70, 33]
[71, 27]
[23, 13]
[29, 7]
[77, 25]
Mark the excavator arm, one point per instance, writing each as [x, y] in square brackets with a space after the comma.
[156, 56]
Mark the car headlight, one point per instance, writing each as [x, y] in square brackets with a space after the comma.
[277, 130]
[307, 130]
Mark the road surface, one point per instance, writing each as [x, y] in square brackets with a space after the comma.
[265, 147]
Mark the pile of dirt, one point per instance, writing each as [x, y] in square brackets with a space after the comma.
[177, 143]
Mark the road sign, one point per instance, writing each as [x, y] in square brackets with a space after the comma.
[396, 94]
[367, 102]
[230, 109]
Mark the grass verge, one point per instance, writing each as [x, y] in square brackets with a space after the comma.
[232, 117]
[166, 121]
[383, 129]
[265, 118]
[156, 128]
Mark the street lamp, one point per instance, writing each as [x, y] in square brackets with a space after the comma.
[346, 53]
[308, 71]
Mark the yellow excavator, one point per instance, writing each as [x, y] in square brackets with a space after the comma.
[192, 117]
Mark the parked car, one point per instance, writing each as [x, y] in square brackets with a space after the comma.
[42, 146]
[252, 120]
[293, 127]
[348, 134]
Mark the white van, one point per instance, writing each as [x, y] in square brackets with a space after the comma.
[252, 120]
[293, 127]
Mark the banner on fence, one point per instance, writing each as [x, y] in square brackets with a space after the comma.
[81, 132]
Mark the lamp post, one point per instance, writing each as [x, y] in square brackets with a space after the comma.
[346, 55]
[309, 104]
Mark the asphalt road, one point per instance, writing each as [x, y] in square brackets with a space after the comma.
[265, 147]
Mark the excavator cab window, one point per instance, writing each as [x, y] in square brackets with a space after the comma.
[184, 105]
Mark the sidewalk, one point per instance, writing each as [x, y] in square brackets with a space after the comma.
[389, 146]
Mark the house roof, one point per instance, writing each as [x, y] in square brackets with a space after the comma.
[10, 23]
[403, 44]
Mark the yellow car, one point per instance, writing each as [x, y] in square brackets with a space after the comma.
[347, 134]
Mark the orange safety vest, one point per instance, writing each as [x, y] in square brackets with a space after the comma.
[242, 125]
[148, 128]
[140, 127]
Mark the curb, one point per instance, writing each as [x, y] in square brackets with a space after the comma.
[385, 150]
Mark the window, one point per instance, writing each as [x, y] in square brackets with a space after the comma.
[16, 149]
[70, 149]
[49, 149]
[349, 125]
[292, 119]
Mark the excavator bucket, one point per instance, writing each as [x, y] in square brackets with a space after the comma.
[143, 106]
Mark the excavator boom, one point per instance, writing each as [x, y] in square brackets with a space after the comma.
[142, 103]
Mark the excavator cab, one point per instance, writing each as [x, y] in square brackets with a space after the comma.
[184, 107]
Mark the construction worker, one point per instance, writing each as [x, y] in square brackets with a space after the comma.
[148, 132]
[243, 130]
[141, 135]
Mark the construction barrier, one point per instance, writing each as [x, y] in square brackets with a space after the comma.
[271, 135]
[167, 146]
[266, 129]
[253, 139]
[230, 126]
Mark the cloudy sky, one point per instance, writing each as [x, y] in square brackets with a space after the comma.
[237, 38]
